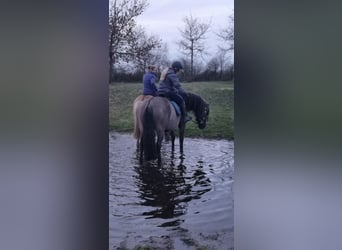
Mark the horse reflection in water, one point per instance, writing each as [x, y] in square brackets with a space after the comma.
[155, 115]
[168, 188]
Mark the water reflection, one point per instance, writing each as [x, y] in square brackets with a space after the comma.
[166, 188]
[180, 201]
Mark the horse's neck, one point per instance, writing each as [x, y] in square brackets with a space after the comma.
[193, 101]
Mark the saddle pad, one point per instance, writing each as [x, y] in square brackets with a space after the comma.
[177, 109]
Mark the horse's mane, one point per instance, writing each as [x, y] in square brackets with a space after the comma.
[195, 103]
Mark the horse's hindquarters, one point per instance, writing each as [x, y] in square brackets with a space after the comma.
[139, 105]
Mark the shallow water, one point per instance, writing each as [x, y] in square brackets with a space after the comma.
[182, 204]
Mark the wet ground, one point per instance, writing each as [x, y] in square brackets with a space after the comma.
[182, 204]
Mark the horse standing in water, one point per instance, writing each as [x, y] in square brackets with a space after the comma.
[138, 107]
[154, 115]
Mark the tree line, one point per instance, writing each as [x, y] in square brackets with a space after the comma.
[131, 49]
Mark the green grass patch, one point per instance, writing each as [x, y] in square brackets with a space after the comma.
[219, 95]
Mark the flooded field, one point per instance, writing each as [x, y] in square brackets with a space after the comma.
[186, 203]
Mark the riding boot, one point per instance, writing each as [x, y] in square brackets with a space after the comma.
[185, 116]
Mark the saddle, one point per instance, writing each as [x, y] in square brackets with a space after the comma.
[174, 104]
[176, 107]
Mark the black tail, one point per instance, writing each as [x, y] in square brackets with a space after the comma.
[148, 136]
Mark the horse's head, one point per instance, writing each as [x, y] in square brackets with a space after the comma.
[200, 108]
[202, 118]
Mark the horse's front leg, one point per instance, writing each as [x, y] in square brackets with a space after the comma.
[173, 136]
[181, 137]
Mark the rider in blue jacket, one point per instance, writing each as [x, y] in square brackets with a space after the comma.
[149, 80]
[169, 86]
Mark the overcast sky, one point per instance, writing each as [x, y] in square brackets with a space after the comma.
[164, 17]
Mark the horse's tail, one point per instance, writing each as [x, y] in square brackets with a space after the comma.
[148, 135]
[136, 131]
[137, 107]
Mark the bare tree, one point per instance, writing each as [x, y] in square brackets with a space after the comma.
[143, 48]
[127, 41]
[213, 65]
[221, 56]
[160, 57]
[193, 37]
[227, 34]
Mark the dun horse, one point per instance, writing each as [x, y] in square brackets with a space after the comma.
[155, 115]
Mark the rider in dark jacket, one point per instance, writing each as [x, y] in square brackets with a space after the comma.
[149, 80]
[169, 86]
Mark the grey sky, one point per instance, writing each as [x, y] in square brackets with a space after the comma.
[164, 17]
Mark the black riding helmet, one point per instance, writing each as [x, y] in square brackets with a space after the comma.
[177, 66]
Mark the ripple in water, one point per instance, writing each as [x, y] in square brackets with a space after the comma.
[182, 204]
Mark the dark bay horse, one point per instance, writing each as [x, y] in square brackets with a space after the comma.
[155, 115]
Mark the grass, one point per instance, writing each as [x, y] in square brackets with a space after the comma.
[219, 95]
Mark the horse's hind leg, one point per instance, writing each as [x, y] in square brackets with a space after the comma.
[159, 145]
[167, 135]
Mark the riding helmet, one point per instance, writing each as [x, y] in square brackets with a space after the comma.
[177, 65]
